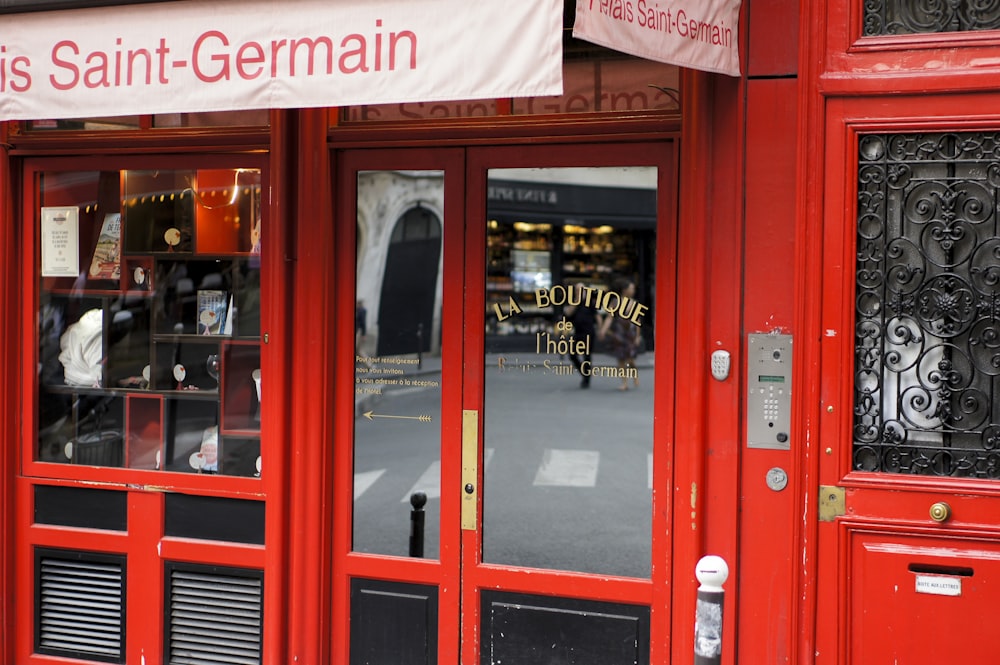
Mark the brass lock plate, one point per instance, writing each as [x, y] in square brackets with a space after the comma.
[831, 502]
[470, 468]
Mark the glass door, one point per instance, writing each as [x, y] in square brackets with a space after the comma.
[398, 420]
[502, 464]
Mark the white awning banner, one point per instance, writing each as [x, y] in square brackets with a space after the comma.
[190, 56]
[699, 34]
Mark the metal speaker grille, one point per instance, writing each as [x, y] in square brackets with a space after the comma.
[80, 606]
[215, 618]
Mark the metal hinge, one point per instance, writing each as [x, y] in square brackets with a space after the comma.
[831, 502]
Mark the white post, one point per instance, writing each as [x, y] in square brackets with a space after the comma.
[712, 572]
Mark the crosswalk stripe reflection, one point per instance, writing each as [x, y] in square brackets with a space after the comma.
[559, 468]
[362, 481]
[568, 468]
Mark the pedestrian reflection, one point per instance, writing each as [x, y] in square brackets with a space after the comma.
[624, 339]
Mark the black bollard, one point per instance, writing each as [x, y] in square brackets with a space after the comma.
[417, 501]
[420, 346]
[712, 572]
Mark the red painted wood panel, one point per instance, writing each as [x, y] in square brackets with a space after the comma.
[919, 599]
[8, 414]
[769, 526]
[773, 41]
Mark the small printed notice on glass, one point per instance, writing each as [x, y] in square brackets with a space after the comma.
[61, 242]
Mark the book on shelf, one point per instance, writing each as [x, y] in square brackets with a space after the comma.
[212, 306]
[107, 260]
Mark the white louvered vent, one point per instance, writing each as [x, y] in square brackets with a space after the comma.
[80, 607]
[215, 618]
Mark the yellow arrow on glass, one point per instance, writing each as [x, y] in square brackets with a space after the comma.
[371, 415]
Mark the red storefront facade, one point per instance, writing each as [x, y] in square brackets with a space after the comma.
[470, 472]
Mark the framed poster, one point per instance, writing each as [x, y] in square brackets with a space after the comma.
[60, 240]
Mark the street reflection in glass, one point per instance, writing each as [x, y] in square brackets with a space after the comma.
[397, 439]
[568, 427]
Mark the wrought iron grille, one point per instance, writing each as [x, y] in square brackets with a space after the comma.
[898, 17]
[927, 333]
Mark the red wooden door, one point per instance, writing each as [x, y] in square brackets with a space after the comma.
[506, 428]
[910, 475]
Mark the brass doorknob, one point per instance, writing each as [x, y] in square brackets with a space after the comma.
[940, 511]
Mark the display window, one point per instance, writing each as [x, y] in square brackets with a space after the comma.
[148, 320]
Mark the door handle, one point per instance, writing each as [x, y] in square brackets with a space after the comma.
[470, 468]
[940, 512]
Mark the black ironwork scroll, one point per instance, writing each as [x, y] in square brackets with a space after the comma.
[927, 329]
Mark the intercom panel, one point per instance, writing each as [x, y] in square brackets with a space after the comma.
[769, 391]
